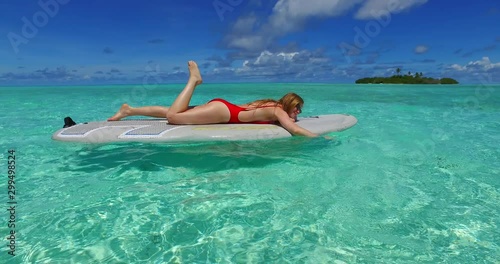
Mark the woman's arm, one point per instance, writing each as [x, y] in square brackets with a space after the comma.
[290, 125]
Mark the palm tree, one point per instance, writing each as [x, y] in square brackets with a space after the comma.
[409, 73]
[398, 70]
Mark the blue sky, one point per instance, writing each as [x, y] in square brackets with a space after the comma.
[104, 42]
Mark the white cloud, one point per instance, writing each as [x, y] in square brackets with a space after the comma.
[247, 42]
[457, 67]
[296, 65]
[245, 24]
[268, 58]
[242, 34]
[291, 15]
[288, 14]
[483, 65]
[301, 58]
[373, 9]
[421, 49]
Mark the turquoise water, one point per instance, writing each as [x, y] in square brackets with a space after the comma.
[415, 181]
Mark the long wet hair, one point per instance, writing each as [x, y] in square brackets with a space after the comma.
[289, 101]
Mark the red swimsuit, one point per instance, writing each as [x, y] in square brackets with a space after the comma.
[235, 110]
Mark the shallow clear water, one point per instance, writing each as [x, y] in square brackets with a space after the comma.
[416, 180]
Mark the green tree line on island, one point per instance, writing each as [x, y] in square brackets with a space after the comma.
[417, 78]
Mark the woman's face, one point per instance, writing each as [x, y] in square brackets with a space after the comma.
[295, 112]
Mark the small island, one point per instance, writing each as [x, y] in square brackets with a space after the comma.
[417, 78]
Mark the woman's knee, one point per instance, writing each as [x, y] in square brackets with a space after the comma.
[173, 118]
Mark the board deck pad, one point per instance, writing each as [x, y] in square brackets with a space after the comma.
[159, 130]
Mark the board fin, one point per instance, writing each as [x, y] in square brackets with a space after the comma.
[68, 122]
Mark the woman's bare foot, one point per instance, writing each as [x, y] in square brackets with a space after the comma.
[122, 113]
[194, 72]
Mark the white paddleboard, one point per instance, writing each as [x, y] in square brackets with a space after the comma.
[159, 130]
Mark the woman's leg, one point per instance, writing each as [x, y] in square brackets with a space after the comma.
[181, 103]
[214, 112]
[211, 113]
[180, 113]
[152, 111]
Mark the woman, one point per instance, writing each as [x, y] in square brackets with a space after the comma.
[283, 111]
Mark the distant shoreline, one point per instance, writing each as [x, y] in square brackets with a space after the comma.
[406, 79]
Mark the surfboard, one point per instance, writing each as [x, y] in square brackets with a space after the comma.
[159, 130]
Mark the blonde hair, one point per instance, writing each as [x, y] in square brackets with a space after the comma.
[288, 102]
